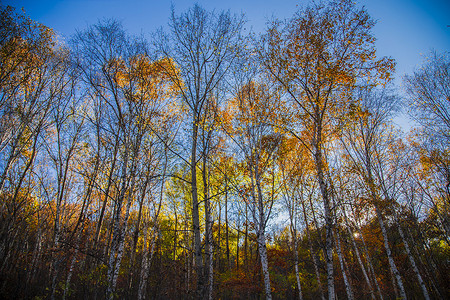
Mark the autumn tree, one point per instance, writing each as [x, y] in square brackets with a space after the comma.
[254, 108]
[428, 100]
[377, 155]
[28, 63]
[317, 57]
[128, 88]
[34, 75]
[202, 45]
[295, 168]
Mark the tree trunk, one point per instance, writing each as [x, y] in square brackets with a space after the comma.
[227, 238]
[138, 227]
[208, 232]
[261, 225]
[291, 205]
[116, 252]
[200, 291]
[245, 239]
[392, 265]
[311, 251]
[368, 258]
[146, 260]
[348, 287]
[413, 263]
[264, 264]
[72, 265]
[361, 264]
[297, 275]
[108, 187]
[318, 159]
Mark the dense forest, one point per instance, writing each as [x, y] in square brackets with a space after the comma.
[212, 163]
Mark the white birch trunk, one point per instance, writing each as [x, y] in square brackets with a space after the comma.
[348, 288]
[361, 264]
[264, 264]
[210, 270]
[413, 264]
[297, 276]
[121, 245]
[72, 265]
[313, 257]
[260, 222]
[318, 159]
[369, 260]
[116, 253]
[146, 260]
[392, 265]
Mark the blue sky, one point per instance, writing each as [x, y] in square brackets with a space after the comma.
[406, 29]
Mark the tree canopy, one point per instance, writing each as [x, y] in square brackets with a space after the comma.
[209, 163]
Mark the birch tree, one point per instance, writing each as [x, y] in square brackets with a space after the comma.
[202, 46]
[368, 143]
[253, 110]
[428, 101]
[317, 57]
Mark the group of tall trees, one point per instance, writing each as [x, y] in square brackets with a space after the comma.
[211, 163]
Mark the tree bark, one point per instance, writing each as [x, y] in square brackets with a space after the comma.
[328, 219]
[260, 223]
[348, 287]
[413, 263]
[361, 264]
[264, 263]
[311, 251]
[392, 265]
[208, 232]
[200, 291]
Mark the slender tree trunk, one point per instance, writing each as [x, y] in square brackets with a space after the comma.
[348, 287]
[313, 256]
[138, 228]
[62, 180]
[373, 193]
[36, 257]
[195, 215]
[218, 252]
[260, 223]
[245, 239]
[72, 265]
[108, 187]
[358, 256]
[291, 205]
[237, 249]
[124, 226]
[368, 258]
[147, 256]
[392, 265]
[413, 263]
[264, 263]
[328, 221]
[361, 264]
[208, 231]
[297, 274]
[114, 255]
[227, 237]
[430, 260]
[146, 260]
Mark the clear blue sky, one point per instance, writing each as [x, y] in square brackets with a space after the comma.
[406, 29]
